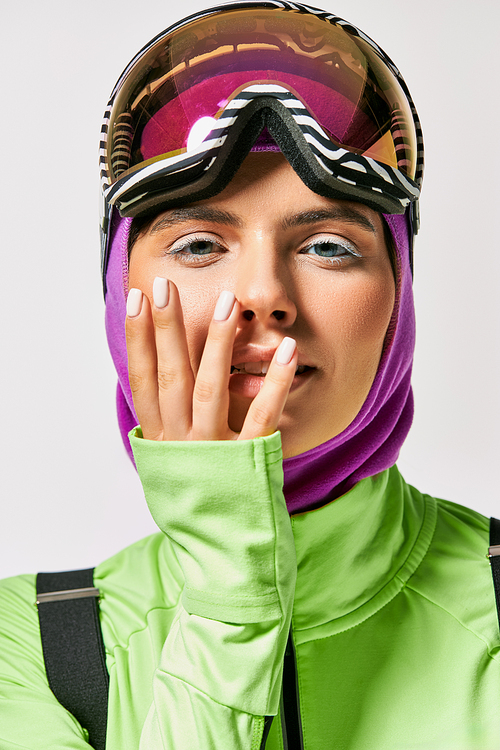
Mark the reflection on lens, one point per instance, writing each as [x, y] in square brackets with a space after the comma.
[188, 76]
[200, 130]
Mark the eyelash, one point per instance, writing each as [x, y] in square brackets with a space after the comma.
[350, 251]
[181, 249]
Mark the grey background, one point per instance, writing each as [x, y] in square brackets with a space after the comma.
[69, 496]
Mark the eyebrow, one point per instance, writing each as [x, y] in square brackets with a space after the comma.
[205, 213]
[344, 213]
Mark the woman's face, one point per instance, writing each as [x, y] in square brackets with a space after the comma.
[300, 265]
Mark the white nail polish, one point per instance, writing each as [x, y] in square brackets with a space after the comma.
[134, 303]
[285, 351]
[160, 292]
[224, 306]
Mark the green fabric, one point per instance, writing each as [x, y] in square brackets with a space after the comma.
[390, 594]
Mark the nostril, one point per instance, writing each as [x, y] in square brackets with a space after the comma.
[278, 314]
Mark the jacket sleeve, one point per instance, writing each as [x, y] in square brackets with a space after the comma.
[222, 505]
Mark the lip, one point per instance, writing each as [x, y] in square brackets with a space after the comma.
[252, 354]
[248, 385]
[261, 354]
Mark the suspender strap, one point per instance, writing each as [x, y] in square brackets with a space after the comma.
[73, 648]
[494, 555]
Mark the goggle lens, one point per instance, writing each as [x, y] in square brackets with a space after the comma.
[172, 97]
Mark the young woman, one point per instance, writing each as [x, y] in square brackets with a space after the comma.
[261, 168]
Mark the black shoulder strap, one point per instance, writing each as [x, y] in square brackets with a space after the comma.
[494, 555]
[73, 648]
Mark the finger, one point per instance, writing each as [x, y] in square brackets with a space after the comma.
[175, 379]
[211, 390]
[142, 373]
[266, 408]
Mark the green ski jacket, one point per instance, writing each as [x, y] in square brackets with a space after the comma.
[387, 594]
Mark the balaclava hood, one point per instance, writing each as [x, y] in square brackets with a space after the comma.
[372, 441]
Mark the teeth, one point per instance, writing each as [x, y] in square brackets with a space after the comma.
[252, 368]
[260, 368]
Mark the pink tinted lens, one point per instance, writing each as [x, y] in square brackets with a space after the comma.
[168, 129]
[194, 72]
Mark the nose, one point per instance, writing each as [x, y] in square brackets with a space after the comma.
[264, 289]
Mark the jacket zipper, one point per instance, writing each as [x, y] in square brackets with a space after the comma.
[290, 709]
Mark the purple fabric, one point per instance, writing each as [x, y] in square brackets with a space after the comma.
[116, 298]
[372, 441]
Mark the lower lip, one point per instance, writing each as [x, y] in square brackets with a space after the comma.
[244, 384]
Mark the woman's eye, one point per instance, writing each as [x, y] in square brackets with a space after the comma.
[194, 248]
[331, 249]
[198, 247]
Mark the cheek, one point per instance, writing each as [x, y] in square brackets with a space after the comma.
[358, 317]
[370, 314]
[142, 269]
[198, 306]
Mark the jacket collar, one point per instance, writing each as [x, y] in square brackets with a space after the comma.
[357, 552]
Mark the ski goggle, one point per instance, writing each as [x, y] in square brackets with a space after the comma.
[194, 101]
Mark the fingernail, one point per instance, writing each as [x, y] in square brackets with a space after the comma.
[134, 303]
[160, 292]
[285, 351]
[224, 306]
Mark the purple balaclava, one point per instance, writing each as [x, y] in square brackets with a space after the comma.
[372, 441]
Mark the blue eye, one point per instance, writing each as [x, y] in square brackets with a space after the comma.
[199, 247]
[331, 250]
[328, 249]
[195, 247]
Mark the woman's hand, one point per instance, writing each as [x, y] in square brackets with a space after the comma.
[172, 402]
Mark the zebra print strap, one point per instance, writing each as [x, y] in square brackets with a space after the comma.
[378, 181]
